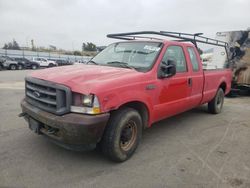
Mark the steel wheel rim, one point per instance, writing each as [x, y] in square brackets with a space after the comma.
[128, 135]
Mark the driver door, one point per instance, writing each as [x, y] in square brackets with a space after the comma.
[173, 91]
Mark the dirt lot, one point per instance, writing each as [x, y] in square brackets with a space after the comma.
[194, 149]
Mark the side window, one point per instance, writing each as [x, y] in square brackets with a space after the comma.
[193, 58]
[176, 53]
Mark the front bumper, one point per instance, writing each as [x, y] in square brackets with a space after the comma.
[71, 130]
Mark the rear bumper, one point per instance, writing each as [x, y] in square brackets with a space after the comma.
[71, 130]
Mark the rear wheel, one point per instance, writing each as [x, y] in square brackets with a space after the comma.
[34, 67]
[13, 67]
[20, 67]
[215, 105]
[51, 65]
[122, 135]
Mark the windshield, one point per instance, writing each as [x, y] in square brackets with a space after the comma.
[137, 55]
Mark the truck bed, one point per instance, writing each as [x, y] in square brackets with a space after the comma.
[212, 81]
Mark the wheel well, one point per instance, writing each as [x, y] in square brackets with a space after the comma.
[223, 86]
[141, 108]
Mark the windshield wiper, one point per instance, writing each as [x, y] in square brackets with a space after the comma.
[122, 64]
[91, 61]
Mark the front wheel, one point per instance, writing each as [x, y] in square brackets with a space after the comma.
[34, 67]
[13, 67]
[51, 65]
[122, 135]
[215, 105]
[20, 67]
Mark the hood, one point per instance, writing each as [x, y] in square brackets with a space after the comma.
[87, 78]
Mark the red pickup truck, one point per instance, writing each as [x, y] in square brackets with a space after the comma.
[125, 88]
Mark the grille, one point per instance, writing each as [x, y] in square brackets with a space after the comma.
[48, 96]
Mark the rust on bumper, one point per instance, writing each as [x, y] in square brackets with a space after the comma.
[71, 129]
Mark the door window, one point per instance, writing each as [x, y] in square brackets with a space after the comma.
[176, 54]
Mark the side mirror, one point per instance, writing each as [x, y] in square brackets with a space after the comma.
[167, 69]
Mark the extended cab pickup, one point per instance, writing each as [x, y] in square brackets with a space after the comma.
[125, 88]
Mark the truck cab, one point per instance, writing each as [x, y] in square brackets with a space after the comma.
[126, 88]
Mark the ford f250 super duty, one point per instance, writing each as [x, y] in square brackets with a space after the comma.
[125, 88]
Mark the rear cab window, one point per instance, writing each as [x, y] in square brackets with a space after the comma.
[193, 58]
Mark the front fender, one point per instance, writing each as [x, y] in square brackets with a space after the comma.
[114, 101]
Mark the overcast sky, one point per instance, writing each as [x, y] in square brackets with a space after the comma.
[68, 23]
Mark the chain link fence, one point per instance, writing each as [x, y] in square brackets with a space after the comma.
[48, 55]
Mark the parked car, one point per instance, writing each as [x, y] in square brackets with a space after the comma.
[125, 88]
[62, 62]
[24, 63]
[43, 62]
[8, 63]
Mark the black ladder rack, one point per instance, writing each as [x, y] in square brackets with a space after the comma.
[182, 37]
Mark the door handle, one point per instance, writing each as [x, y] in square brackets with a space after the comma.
[190, 82]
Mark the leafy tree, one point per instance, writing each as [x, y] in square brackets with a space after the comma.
[12, 45]
[83, 46]
[89, 46]
[77, 53]
[15, 45]
[5, 46]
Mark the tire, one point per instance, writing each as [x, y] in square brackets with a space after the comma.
[20, 67]
[34, 67]
[215, 105]
[122, 135]
[51, 65]
[13, 67]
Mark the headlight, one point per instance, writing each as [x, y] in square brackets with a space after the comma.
[87, 104]
[87, 100]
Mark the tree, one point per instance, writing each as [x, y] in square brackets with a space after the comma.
[15, 45]
[12, 45]
[83, 46]
[5, 46]
[89, 46]
[77, 53]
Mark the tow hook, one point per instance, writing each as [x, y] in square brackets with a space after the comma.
[52, 131]
[22, 114]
